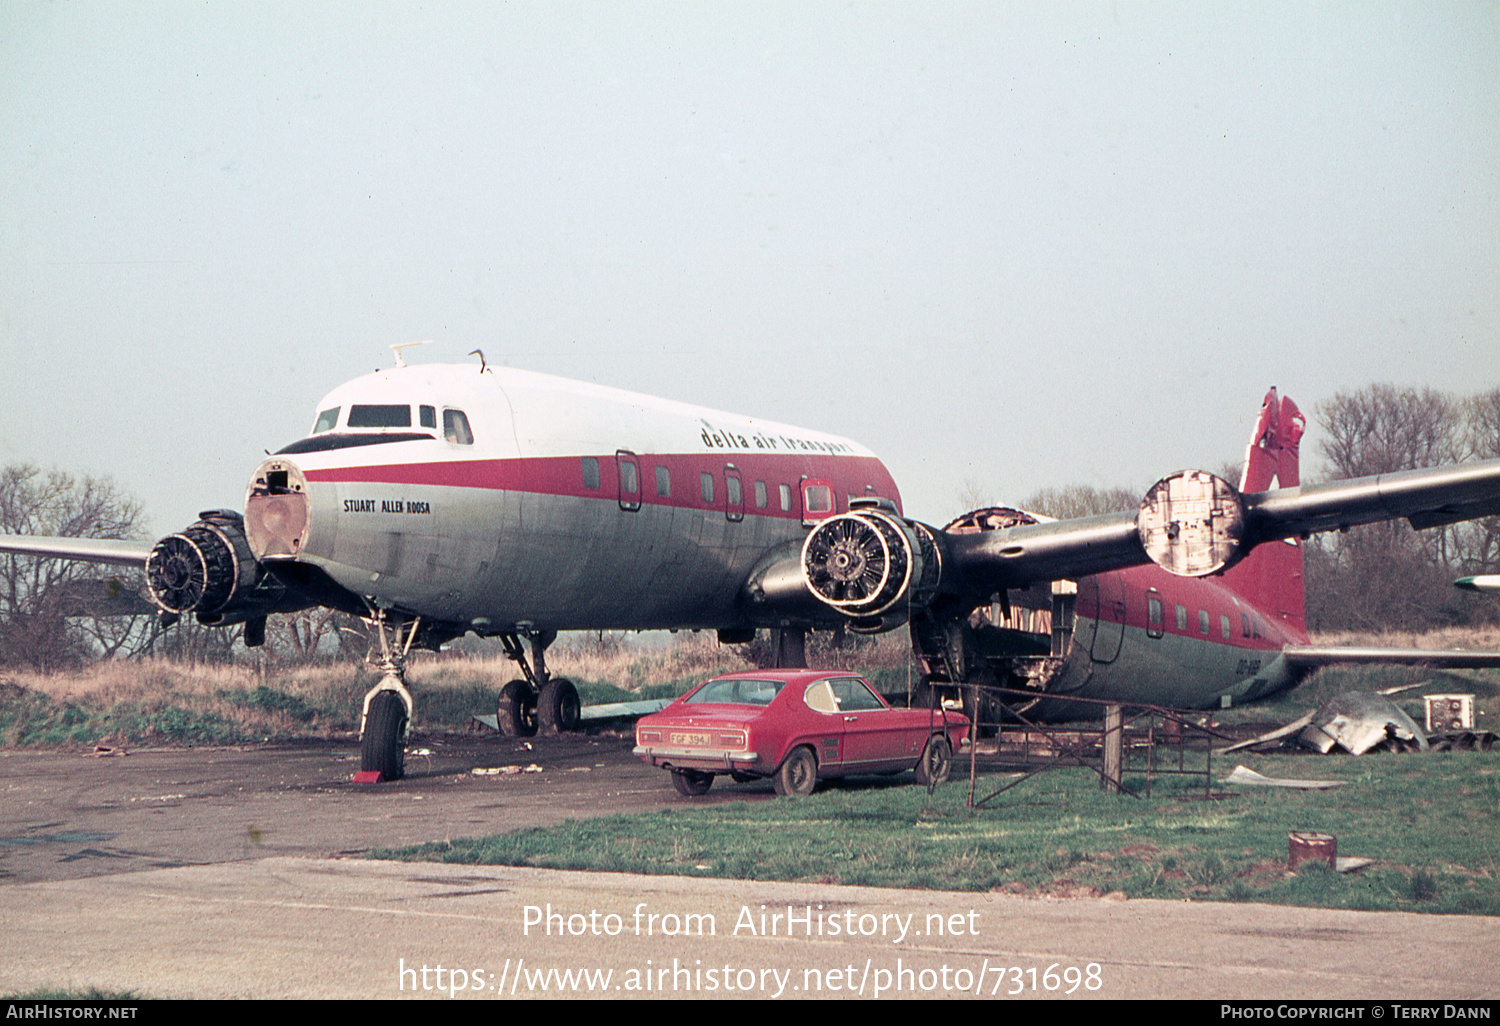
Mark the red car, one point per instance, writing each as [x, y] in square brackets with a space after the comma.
[794, 726]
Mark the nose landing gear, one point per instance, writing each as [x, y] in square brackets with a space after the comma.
[385, 721]
[537, 702]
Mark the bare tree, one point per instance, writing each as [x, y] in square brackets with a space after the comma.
[973, 495]
[35, 593]
[1385, 575]
[313, 634]
[1080, 501]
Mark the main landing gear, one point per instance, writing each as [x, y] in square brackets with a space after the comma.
[539, 700]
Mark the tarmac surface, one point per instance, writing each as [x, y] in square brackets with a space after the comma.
[222, 872]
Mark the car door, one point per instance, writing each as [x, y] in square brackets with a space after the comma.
[823, 726]
[876, 736]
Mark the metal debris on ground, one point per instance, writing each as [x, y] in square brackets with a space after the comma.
[1247, 776]
[1358, 721]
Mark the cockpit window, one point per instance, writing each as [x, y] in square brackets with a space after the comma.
[327, 421]
[379, 416]
[456, 428]
[429, 416]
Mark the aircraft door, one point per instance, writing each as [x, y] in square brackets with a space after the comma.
[734, 494]
[1109, 616]
[630, 480]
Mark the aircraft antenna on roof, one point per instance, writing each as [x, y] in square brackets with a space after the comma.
[483, 367]
[401, 357]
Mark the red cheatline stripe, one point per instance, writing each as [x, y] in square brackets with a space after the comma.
[563, 476]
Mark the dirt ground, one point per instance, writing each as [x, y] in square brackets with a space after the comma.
[69, 815]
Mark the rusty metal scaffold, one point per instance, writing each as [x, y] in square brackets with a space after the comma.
[1139, 730]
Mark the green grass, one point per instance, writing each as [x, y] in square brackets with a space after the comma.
[1429, 820]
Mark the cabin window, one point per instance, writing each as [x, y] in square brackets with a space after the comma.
[760, 495]
[1153, 615]
[386, 416]
[1224, 627]
[428, 416]
[663, 482]
[786, 498]
[327, 421]
[456, 428]
[707, 481]
[1203, 627]
[1244, 625]
[819, 499]
[591, 472]
[1182, 618]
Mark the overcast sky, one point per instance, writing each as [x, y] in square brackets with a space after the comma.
[1012, 244]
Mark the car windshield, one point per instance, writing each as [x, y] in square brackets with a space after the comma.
[735, 692]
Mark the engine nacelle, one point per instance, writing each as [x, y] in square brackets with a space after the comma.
[208, 570]
[1192, 524]
[865, 562]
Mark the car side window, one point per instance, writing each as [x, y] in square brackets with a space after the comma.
[819, 698]
[854, 696]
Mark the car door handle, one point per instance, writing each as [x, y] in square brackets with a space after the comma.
[850, 719]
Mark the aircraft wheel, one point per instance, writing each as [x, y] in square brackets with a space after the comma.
[936, 761]
[798, 773]
[516, 714]
[557, 706]
[690, 783]
[383, 746]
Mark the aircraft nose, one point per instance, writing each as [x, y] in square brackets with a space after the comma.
[276, 510]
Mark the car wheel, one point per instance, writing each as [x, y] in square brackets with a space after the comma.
[516, 714]
[691, 783]
[557, 706]
[798, 773]
[936, 761]
[383, 746]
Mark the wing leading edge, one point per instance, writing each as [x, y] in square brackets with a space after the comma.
[1313, 656]
[88, 550]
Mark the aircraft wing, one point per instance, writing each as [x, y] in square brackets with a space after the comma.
[1427, 498]
[1484, 582]
[89, 550]
[1311, 656]
[1027, 553]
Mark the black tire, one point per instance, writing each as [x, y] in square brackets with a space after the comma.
[797, 776]
[690, 783]
[382, 748]
[557, 706]
[516, 714]
[936, 762]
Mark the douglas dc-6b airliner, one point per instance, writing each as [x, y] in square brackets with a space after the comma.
[437, 500]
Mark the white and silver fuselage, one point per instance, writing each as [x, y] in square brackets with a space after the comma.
[506, 499]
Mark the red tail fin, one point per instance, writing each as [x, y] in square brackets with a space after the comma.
[1271, 576]
[1273, 449]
